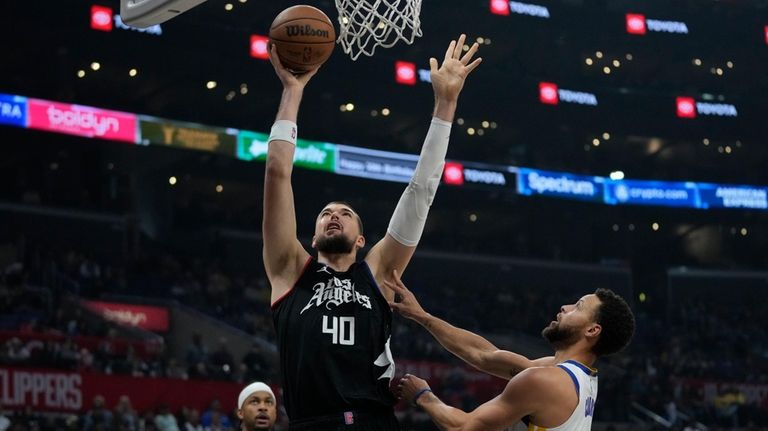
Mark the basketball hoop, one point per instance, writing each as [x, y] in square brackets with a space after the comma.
[367, 24]
[146, 13]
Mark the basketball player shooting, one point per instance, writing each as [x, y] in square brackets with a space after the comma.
[555, 393]
[333, 323]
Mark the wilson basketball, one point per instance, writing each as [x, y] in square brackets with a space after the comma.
[304, 37]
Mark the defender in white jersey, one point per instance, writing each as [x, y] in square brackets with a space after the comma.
[554, 393]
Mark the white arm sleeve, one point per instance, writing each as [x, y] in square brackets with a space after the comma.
[410, 215]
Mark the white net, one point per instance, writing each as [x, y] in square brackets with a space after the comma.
[367, 24]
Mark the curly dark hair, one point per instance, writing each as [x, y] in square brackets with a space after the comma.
[617, 322]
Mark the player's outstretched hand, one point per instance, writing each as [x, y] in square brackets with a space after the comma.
[288, 78]
[411, 386]
[407, 305]
[448, 79]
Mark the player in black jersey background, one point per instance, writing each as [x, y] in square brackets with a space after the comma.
[332, 320]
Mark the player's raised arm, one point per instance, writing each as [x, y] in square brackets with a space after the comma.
[395, 250]
[524, 395]
[283, 254]
[467, 346]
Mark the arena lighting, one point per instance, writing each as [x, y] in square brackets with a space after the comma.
[405, 73]
[617, 175]
[81, 73]
[95, 66]
[766, 34]
[228, 7]
[259, 47]
[132, 72]
[385, 112]
[101, 18]
[172, 181]
[210, 85]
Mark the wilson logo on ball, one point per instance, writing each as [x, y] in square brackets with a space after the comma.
[305, 30]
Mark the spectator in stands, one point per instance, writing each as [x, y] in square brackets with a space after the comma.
[5, 423]
[98, 417]
[222, 361]
[257, 407]
[256, 365]
[165, 420]
[192, 421]
[196, 353]
[126, 418]
[219, 422]
[214, 411]
[174, 370]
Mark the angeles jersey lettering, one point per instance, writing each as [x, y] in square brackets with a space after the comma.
[333, 331]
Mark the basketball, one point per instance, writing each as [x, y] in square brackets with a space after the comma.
[304, 37]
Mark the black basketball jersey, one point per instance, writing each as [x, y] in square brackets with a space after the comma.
[333, 331]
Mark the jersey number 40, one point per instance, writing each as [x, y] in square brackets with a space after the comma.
[342, 329]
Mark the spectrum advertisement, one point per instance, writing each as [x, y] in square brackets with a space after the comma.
[531, 182]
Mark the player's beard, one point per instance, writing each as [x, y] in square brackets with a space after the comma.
[336, 244]
[559, 336]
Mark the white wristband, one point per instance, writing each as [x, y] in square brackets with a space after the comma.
[283, 130]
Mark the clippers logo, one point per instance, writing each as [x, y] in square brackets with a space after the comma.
[687, 107]
[101, 18]
[453, 173]
[638, 24]
[550, 94]
[405, 73]
[259, 47]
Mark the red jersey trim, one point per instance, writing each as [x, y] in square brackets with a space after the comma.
[301, 274]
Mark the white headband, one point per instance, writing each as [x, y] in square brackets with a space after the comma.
[250, 389]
